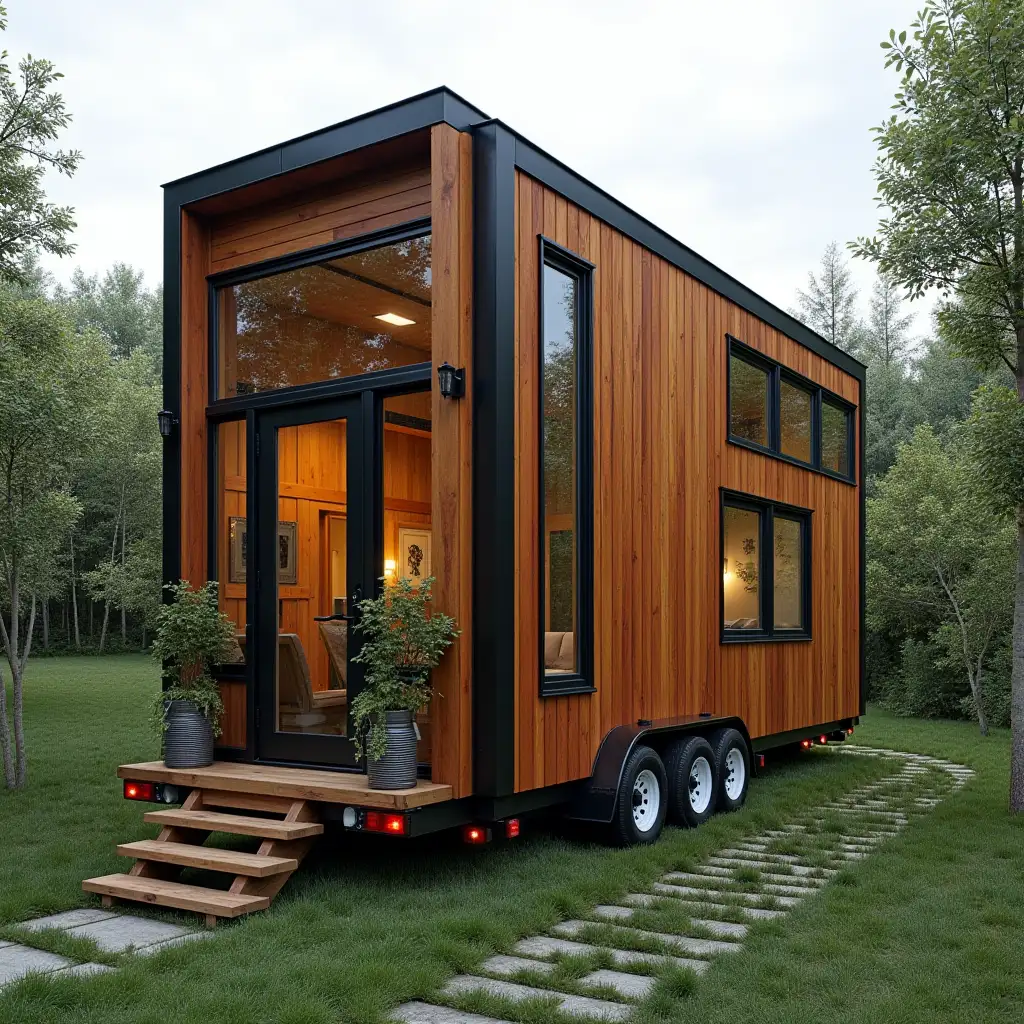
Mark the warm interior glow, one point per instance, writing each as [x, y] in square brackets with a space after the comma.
[394, 319]
[389, 567]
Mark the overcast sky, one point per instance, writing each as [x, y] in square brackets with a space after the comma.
[740, 127]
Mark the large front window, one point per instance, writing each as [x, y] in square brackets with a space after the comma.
[364, 311]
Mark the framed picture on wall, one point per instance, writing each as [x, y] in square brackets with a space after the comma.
[287, 551]
[237, 548]
[413, 553]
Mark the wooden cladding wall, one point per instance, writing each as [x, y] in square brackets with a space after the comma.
[328, 213]
[660, 460]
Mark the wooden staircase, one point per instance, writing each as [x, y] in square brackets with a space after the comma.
[257, 877]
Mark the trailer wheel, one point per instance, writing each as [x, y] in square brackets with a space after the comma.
[693, 781]
[733, 761]
[642, 799]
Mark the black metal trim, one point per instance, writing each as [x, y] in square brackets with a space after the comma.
[863, 545]
[767, 510]
[436, 106]
[777, 372]
[494, 305]
[582, 272]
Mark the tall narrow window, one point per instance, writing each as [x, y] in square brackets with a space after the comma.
[835, 438]
[795, 405]
[766, 578]
[748, 401]
[565, 472]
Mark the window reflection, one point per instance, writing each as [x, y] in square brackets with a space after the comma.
[558, 455]
[788, 612]
[835, 438]
[748, 401]
[741, 568]
[795, 421]
[346, 316]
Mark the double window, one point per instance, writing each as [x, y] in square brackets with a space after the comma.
[776, 411]
[566, 488]
[766, 569]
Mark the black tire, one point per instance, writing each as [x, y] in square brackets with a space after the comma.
[732, 759]
[691, 802]
[644, 786]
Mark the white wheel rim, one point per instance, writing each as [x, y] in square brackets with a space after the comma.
[735, 773]
[700, 785]
[646, 800]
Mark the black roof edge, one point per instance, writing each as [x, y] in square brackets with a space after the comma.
[549, 170]
[436, 106]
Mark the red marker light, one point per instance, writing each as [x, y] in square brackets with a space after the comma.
[823, 740]
[511, 828]
[806, 744]
[390, 824]
[476, 835]
[849, 732]
[138, 790]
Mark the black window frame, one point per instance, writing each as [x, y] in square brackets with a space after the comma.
[767, 511]
[582, 271]
[777, 372]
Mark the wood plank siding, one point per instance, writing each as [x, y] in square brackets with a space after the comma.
[660, 458]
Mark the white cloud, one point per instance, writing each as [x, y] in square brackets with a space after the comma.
[742, 128]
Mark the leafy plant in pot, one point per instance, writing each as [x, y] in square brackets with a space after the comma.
[192, 635]
[403, 641]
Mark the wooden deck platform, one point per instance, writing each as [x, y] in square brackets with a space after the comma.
[289, 783]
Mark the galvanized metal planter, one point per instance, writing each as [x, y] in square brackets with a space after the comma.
[188, 741]
[397, 768]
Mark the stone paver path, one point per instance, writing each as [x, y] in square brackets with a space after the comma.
[761, 877]
[112, 932]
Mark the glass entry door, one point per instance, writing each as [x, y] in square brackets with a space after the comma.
[315, 554]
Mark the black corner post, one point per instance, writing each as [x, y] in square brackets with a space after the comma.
[493, 460]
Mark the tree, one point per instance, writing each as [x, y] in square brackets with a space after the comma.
[120, 306]
[32, 116]
[950, 172]
[49, 377]
[934, 564]
[885, 338]
[829, 306]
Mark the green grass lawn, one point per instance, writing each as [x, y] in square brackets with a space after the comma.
[928, 928]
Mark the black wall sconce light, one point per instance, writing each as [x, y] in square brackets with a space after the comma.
[166, 421]
[450, 381]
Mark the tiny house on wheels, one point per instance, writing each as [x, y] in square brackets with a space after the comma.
[415, 344]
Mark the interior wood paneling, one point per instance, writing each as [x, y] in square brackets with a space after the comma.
[660, 459]
[451, 446]
[327, 213]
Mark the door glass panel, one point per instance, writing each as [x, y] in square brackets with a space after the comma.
[346, 316]
[311, 568]
[407, 508]
[232, 534]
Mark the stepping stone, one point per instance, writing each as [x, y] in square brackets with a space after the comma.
[720, 878]
[630, 986]
[613, 913]
[787, 890]
[643, 899]
[574, 1006]
[545, 946]
[509, 965]
[725, 928]
[743, 897]
[81, 970]
[68, 919]
[760, 856]
[179, 940]
[798, 870]
[417, 1012]
[125, 931]
[16, 961]
[699, 947]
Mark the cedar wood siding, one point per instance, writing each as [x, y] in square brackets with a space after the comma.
[660, 459]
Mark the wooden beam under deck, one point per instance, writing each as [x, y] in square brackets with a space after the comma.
[292, 783]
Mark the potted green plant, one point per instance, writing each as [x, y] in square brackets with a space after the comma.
[192, 635]
[403, 641]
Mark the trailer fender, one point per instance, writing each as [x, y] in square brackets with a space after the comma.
[596, 798]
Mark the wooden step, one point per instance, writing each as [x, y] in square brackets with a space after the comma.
[209, 858]
[157, 892]
[236, 824]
